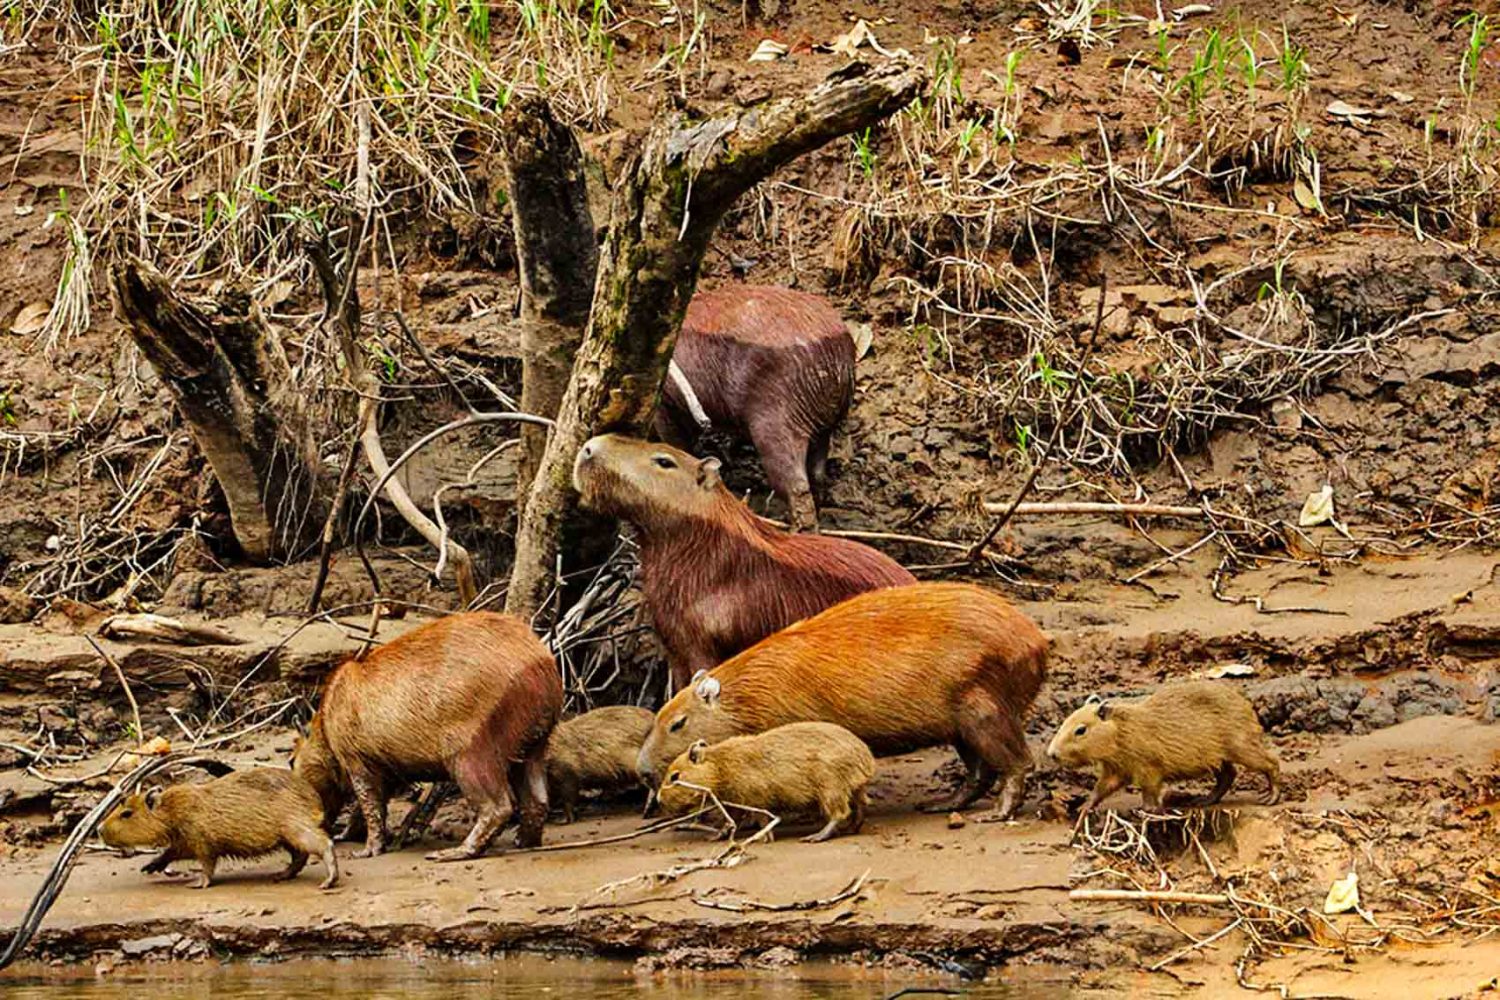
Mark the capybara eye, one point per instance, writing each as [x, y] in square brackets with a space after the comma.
[1080, 730]
[663, 462]
[677, 725]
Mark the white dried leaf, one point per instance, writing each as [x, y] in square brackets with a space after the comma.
[1317, 509]
[31, 318]
[1340, 109]
[1343, 895]
[1230, 670]
[863, 336]
[769, 50]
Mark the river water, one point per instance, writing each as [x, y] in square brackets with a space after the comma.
[441, 979]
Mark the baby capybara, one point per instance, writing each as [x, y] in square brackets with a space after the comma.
[796, 768]
[902, 668]
[1182, 731]
[716, 578]
[470, 698]
[772, 364]
[595, 751]
[245, 814]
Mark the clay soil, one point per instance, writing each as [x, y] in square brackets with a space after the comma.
[1371, 648]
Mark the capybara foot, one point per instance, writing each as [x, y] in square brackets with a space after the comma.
[369, 851]
[330, 882]
[201, 882]
[1183, 800]
[460, 853]
[1271, 795]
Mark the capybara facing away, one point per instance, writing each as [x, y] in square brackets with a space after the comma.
[1184, 730]
[470, 698]
[772, 364]
[800, 767]
[716, 578]
[244, 814]
[595, 751]
[901, 669]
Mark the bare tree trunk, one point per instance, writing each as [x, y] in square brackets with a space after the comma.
[558, 255]
[232, 385]
[671, 199]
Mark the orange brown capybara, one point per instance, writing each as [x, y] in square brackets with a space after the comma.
[595, 751]
[470, 698]
[1182, 731]
[245, 814]
[772, 364]
[901, 669]
[799, 767]
[716, 578]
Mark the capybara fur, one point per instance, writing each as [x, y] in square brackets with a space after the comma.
[1184, 730]
[469, 698]
[245, 814]
[716, 578]
[801, 767]
[903, 668]
[774, 365]
[595, 751]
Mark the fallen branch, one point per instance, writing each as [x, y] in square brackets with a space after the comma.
[163, 629]
[1092, 507]
[1149, 896]
[743, 904]
[135, 709]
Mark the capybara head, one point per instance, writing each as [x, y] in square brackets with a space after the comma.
[650, 485]
[313, 761]
[695, 713]
[682, 790]
[1091, 733]
[135, 823]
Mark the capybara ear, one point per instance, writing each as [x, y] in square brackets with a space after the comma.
[708, 690]
[695, 752]
[153, 796]
[1092, 699]
[1103, 710]
[698, 676]
[708, 472]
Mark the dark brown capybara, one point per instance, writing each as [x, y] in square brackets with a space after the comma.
[595, 751]
[901, 669]
[774, 365]
[470, 698]
[716, 578]
[1184, 730]
[244, 814]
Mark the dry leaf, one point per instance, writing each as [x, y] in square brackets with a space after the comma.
[1318, 508]
[1230, 670]
[154, 747]
[768, 51]
[1191, 9]
[1343, 895]
[863, 336]
[848, 43]
[31, 318]
[1305, 196]
[1341, 110]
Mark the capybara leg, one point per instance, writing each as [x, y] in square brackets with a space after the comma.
[976, 782]
[480, 773]
[316, 841]
[857, 805]
[530, 784]
[370, 794]
[827, 831]
[1107, 785]
[159, 863]
[492, 817]
[206, 875]
[817, 460]
[835, 808]
[1223, 782]
[294, 868]
[1151, 793]
[565, 794]
[1267, 765]
[784, 456]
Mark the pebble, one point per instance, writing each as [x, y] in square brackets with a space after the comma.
[956, 821]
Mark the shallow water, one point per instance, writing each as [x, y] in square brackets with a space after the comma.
[500, 978]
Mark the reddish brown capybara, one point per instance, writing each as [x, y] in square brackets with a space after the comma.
[595, 751]
[244, 814]
[716, 578]
[772, 364]
[470, 698]
[1182, 731]
[901, 669]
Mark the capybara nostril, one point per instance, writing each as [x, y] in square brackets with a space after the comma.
[587, 451]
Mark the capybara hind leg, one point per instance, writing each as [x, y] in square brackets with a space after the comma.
[206, 875]
[835, 809]
[370, 793]
[858, 803]
[529, 780]
[978, 779]
[492, 817]
[1262, 762]
[1223, 782]
[315, 841]
[817, 460]
[784, 456]
[480, 773]
[996, 737]
[294, 868]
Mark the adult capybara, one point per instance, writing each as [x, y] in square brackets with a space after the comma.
[595, 751]
[245, 814]
[800, 767]
[471, 697]
[1182, 731]
[901, 669]
[716, 578]
[772, 364]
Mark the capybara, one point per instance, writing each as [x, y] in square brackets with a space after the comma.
[772, 364]
[245, 814]
[901, 669]
[716, 578]
[1182, 731]
[595, 751]
[800, 767]
[470, 698]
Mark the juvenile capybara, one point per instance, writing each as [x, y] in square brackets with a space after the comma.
[800, 767]
[470, 698]
[716, 578]
[1182, 731]
[595, 751]
[772, 364]
[245, 814]
[901, 669]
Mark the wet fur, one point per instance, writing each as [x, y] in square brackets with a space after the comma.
[716, 578]
[245, 814]
[798, 768]
[773, 365]
[1184, 730]
[901, 668]
[471, 697]
[595, 751]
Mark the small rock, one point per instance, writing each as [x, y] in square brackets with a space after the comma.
[777, 958]
[719, 84]
[1286, 414]
[52, 719]
[146, 945]
[956, 821]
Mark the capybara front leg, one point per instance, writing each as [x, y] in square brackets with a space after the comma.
[159, 863]
[370, 793]
[531, 791]
[1107, 784]
[206, 873]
